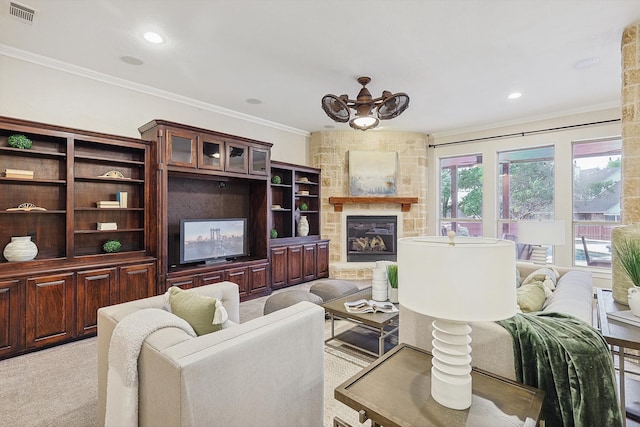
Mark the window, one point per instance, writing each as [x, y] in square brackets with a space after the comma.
[596, 200]
[461, 195]
[525, 192]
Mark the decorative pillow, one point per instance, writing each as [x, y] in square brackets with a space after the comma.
[548, 276]
[205, 314]
[531, 297]
[518, 278]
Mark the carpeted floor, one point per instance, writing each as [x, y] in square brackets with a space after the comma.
[58, 386]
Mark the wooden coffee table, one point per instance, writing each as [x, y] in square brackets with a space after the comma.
[395, 391]
[384, 324]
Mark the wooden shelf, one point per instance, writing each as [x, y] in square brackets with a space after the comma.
[404, 202]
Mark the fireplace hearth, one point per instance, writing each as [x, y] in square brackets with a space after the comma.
[371, 238]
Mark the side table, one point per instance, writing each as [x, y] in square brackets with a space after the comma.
[617, 334]
[395, 391]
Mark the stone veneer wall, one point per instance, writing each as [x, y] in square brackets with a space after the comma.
[329, 151]
[631, 124]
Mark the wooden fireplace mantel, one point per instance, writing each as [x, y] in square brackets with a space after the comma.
[404, 202]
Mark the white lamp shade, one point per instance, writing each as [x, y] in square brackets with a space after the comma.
[473, 280]
[535, 232]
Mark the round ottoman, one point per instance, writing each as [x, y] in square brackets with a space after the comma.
[333, 288]
[288, 298]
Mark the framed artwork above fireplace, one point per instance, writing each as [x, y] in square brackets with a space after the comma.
[373, 173]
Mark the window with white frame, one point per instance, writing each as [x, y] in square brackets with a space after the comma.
[461, 197]
[596, 199]
[525, 192]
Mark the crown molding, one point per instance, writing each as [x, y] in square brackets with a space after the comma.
[148, 90]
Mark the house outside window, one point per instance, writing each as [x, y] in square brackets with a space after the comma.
[596, 200]
[461, 195]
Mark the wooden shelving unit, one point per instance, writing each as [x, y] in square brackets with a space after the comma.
[54, 297]
[294, 258]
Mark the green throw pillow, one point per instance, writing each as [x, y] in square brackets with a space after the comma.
[196, 309]
[531, 297]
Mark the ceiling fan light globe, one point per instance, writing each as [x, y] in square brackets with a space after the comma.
[364, 122]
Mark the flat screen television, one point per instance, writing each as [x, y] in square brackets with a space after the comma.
[212, 240]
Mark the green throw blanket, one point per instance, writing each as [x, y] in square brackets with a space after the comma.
[571, 362]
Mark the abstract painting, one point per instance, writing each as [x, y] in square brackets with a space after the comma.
[373, 173]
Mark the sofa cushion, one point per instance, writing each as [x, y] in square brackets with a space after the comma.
[198, 310]
[531, 297]
[547, 275]
[573, 295]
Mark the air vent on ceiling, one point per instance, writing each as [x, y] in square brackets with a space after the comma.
[22, 12]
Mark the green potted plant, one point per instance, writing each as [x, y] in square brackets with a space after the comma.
[392, 276]
[19, 141]
[274, 233]
[627, 251]
[111, 246]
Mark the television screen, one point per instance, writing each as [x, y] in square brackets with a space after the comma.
[212, 239]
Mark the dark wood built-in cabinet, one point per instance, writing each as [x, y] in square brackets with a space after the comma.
[174, 172]
[203, 174]
[54, 297]
[294, 193]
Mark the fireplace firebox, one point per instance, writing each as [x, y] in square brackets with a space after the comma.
[371, 238]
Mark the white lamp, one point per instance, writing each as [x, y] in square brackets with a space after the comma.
[538, 232]
[457, 280]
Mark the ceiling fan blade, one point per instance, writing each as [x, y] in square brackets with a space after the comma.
[335, 108]
[393, 106]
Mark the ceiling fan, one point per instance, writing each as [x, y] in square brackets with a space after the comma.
[384, 107]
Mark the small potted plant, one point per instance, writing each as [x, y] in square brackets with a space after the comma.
[112, 246]
[392, 275]
[627, 251]
[274, 233]
[19, 141]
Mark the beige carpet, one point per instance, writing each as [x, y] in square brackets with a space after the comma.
[58, 386]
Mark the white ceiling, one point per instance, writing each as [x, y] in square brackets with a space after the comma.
[457, 59]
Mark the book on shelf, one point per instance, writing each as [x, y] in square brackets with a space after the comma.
[103, 226]
[370, 306]
[121, 197]
[18, 173]
[624, 316]
[108, 204]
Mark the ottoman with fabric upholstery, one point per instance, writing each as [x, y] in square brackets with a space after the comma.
[333, 288]
[289, 298]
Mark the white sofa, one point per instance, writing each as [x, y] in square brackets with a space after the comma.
[268, 371]
[492, 345]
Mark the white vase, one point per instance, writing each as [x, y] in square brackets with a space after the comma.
[634, 300]
[379, 284]
[303, 226]
[20, 248]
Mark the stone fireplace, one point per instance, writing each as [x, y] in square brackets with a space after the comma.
[329, 151]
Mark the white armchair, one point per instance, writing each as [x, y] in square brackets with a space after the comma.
[268, 371]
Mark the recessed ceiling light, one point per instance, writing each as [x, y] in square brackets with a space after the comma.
[131, 60]
[586, 63]
[253, 101]
[152, 37]
[329, 126]
[514, 95]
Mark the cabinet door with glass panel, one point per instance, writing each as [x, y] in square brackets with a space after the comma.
[210, 152]
[181, 148]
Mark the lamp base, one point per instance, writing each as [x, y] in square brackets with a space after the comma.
[539, 255]
[451, 370]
